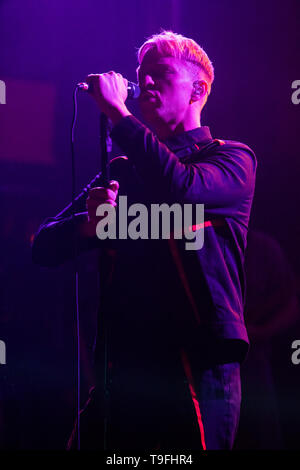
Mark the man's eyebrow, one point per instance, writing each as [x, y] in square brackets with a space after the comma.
[165, 66]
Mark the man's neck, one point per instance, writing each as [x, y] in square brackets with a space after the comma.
[166, 130]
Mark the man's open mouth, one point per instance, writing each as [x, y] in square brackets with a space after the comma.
[147, 94]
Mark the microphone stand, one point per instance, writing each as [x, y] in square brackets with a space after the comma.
[106, 147]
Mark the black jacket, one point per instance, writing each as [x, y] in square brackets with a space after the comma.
[160, 296]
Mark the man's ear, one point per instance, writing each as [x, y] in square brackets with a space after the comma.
[200, 89]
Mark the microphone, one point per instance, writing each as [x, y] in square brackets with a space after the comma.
[132, 88]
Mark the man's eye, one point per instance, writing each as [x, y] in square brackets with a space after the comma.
[161, 73]
[155, 74]
[158, 73]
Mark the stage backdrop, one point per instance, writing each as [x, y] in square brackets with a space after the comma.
[47, 47]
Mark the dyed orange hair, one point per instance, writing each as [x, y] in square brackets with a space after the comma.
[175, 45]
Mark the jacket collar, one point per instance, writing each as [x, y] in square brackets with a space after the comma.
[200, 135]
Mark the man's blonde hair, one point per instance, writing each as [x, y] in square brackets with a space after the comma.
[175, 45]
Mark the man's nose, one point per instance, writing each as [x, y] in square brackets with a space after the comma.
[147, 81]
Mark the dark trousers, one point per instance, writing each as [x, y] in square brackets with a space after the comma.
[155, 411]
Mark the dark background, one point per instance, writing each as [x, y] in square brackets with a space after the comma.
[46, 48]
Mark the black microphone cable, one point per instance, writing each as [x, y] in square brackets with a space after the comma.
[75, 242]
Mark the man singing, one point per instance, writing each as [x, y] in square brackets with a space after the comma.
[176, 334]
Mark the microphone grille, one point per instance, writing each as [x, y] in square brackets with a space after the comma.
[133, 90]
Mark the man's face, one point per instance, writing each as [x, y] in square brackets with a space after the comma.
[166, 86]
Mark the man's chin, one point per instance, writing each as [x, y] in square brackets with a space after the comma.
[151, 114]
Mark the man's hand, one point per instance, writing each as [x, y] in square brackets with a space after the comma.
[110, 92]
[96, 197]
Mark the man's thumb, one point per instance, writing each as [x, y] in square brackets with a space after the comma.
[114, 185]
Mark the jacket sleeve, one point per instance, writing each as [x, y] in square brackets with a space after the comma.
[219, 180]
[58, 240]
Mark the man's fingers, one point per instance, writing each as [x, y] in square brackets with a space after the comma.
[92, 79]
[125, 80]
[114, 185]
[93, 203]
[101, 194]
